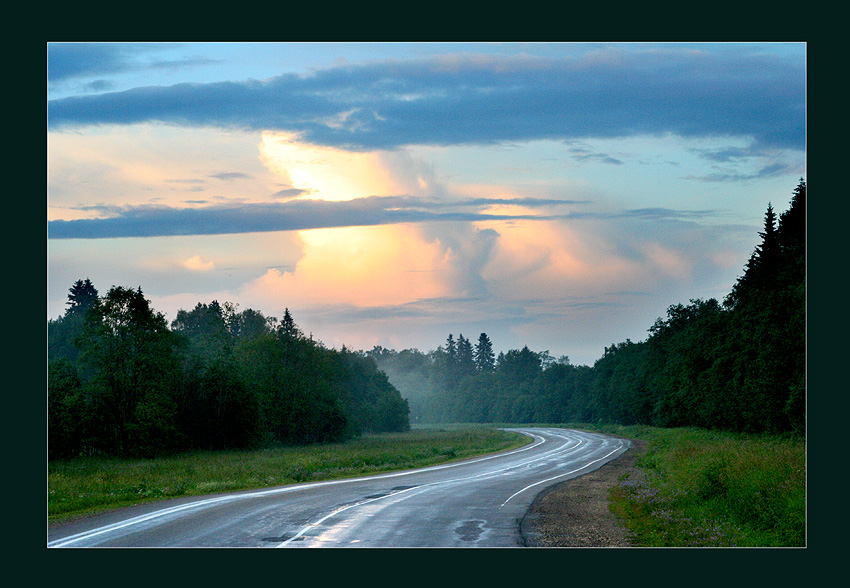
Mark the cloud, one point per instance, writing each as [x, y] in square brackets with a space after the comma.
[70, 60]
[666, 213]
[227, 176]
[511, 279]
[728, 154]
[160, 221]
[483, 100]
[584, 154]
[66, 61]
[288, 193]
[767, 171]
[297, 215]
[363, 266]
[196, 264]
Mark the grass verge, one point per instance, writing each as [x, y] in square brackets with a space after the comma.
[87, 485]
[698, 488]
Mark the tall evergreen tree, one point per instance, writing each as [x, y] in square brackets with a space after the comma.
[792, 234]
[769, 251]
[761, 270]
[288, 327]
[81, 297]
[465, 357]
[451, 349]
[62, 332]
[450, 368]
[485, 360]
[792, 239]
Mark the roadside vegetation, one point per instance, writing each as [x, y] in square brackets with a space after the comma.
[85, 485]
[700, 488]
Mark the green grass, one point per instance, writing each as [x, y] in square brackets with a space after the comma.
[698, 488]
[86, 485]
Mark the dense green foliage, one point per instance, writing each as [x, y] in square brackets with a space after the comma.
[122, 382]
[739, 365]
[87, 484]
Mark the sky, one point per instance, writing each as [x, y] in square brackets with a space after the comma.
[556, 195]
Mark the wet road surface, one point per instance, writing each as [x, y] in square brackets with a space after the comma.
[475, 503]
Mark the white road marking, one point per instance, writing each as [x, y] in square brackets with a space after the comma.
[425, 487]
[339, 510]
[208, 502]
[538, 440]
[619, 446]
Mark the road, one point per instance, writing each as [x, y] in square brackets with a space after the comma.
[474, 503]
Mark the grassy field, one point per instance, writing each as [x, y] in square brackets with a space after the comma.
[697, 488]
[86, 485]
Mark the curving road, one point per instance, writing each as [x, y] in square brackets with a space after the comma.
[477, 502]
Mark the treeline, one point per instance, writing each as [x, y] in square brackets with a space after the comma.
[462, 382]
[739, 365]
[123, 382]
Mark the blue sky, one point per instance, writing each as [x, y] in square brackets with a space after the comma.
[555, 195]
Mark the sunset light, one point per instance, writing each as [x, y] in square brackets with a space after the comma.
[507, 188]
[424, 294]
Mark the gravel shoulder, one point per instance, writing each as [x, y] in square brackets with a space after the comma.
[575, 513]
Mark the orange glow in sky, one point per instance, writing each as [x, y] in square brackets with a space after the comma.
[537, 194]
[327, 173]
[362, 266]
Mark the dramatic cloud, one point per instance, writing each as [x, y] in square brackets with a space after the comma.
[555, 195]
[444, 101]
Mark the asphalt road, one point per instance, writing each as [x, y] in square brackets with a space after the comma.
[474, 503]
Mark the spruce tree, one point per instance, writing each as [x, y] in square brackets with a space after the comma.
[288, 327]
[792, 307]
[792, 234]
[465, 357]
[761, 270]
[81, 297]
[485, 360]
[451, 352]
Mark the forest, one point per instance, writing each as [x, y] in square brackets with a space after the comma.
[737, 365]
[124, 382]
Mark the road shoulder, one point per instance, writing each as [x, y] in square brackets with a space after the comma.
[575, 513]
